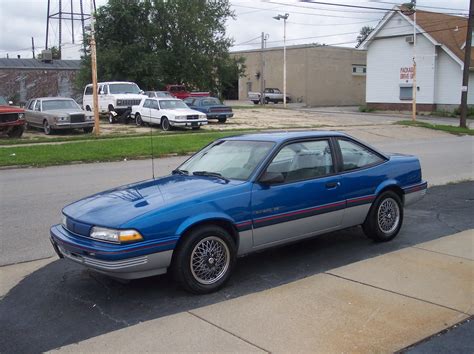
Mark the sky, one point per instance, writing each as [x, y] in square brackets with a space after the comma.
[307, 23]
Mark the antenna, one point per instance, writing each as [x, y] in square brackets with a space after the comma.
[151, 144]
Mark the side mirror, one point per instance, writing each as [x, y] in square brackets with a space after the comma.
[101, 92]
[272, 178]
[10, 103]
[142, 92]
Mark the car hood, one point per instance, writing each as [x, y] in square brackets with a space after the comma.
[117, 206]
[65, 111]
[10, 109]
[128, 96]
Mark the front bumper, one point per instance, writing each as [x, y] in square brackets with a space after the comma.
[73, 125]
[220, 115]
[187, 123]
[119, 261]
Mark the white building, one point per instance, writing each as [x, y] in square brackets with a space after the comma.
[440, 43]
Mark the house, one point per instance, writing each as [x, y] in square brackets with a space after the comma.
[22, 79]
[439, 53]
[318, 75]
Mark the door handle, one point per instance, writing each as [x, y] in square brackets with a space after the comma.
[332, 185]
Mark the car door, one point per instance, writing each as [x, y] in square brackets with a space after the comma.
[305, 201]
[155, 113]
[37, 116]
[360, 175]
[29, 112]
[146, 110]
[103, 96]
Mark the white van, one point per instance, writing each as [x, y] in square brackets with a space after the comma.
[116, 99]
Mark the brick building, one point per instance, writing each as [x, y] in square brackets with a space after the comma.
[22, 79]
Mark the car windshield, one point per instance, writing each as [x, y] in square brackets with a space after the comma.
[233, 159]
[162, 94]
[124, 88]
[51, 105]
[172, 104]
[210, 101]
[3, 101]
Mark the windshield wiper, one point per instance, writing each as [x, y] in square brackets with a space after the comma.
[211, 174]
[180, 172]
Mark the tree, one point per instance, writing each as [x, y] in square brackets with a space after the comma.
[54, 52]
[155, 42]
[363, 34]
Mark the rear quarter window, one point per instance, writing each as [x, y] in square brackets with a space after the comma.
[356, 156]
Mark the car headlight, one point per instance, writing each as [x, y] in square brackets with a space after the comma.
[180, 117]
[117, 236]
[21, 115]
[63, 119]
[89, 117]
[119, 102]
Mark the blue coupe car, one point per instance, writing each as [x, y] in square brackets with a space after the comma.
[212, 106]
[236, 196]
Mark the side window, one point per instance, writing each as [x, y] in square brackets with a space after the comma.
[38, 106]
[88, 90]
[154, 104]
[356, 156]
[303, 160]
[105, 88]
[146, 104]
[101, 89]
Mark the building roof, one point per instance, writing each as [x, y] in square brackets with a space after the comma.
[36, 64]
[295, 46]
[447, 31]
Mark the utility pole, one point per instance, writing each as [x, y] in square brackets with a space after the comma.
[95, 98]
[414, 87]
[33, 47]
[284, 18]
[262, 83]
[467, 64]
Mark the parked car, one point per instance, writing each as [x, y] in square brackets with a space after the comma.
[270, 95]
[236, 196]
[12, 119]
[181, 92]
[168, 113]
[116, 99]
[158, 94]
[55, 113]
[211, 106]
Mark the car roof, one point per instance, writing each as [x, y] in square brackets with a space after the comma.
[285, 136]
[52, 98]
[113, 82]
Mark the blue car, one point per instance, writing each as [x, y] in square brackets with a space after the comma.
[236, 196]
[212, 106]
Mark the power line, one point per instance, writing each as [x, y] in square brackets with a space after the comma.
[423, 6]
[331, 24]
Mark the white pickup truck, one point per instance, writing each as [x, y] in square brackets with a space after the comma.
[270, 95]
[116, 99]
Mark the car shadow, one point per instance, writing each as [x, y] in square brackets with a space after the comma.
[62, 303]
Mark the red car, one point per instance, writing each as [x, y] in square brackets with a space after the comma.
[181, 92]
[12, 119]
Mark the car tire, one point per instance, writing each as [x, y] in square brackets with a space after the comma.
[267, 100]
[112, 119]
[47, 128]
[138, 119]
[16, 132]
[196, 128]
[165, 124]
[204, 260]
[222, 120]
[88, 130]
[385, 217]
[256, 102]
[88, 108]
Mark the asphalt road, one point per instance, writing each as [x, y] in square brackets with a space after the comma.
[63, 303]
[32, 199]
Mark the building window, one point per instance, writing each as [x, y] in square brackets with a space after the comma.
[358, 69]
[406, 92]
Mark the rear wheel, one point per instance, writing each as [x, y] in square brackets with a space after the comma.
[16, 131]
[138, 119]
[267, 100]
[88, 108]
[222, 120]
[385, 217]
[205, 259]
[88, 130]
[47, 128]
[256, 102]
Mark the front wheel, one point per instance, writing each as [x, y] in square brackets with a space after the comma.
[47, 128]
[385, 217]
[16, 131]
[88, 130]
[204, 261]
[112, 119]
[165, 124]
[138, 119]
[222, 120]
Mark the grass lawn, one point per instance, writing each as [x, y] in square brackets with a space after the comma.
[96, 150]
[446, 128]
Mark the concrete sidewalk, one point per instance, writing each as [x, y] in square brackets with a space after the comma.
[382, 304]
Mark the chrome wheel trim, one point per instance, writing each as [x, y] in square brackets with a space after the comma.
[46, 128]
[138, 120]
[165, 124]
[209, 260]
[111, 118]
[388, 215]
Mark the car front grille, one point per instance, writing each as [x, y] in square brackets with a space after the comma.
[77, 118]
[8, 117]
[128, 103]
[216, 110]
[76, 227]
[193, 117]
